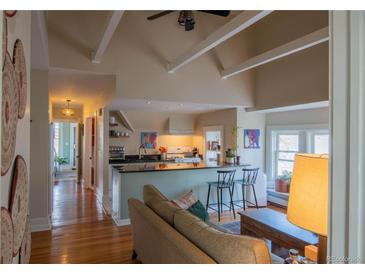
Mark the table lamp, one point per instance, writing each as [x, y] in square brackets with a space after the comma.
[308, 198]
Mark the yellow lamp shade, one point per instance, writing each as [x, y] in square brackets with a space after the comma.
[308, 198]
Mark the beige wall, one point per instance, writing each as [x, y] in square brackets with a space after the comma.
[19, 28]
[150, 121]
[299, 78]
[298, 117]
[40, 146]
[251, 120]
[226, 118]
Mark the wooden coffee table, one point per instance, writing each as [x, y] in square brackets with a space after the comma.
[274, 226]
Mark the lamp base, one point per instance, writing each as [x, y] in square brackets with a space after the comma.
[322, 249]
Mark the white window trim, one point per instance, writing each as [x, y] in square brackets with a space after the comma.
[270, 157]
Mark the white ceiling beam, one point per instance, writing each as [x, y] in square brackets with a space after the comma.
[111, 25]
[307, 41]
[237, 24]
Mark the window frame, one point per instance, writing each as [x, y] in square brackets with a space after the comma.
[306, 143]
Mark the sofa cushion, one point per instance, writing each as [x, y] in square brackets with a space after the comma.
[198, 209]
[222, 247]
[155, 200]
[186, 200]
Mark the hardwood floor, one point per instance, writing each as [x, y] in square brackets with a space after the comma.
[83, 233]
[73, 204]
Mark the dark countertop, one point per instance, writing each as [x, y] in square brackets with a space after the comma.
[150, 167]
[134, 159]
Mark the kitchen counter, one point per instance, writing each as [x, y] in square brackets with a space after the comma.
[150, 167]
[172, 179]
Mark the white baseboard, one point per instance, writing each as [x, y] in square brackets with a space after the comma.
[277, 200]
[40, 224]
[121, 222]
[107, 205]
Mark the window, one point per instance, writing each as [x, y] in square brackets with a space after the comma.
[288, 145]
[284, 142]
[56, 140]
[320, 143]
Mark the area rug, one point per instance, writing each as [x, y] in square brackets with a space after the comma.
[234, 227]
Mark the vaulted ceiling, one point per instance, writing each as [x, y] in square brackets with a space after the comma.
[140, 51]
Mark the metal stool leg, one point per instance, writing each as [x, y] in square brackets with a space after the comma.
[208, 197]
[254, 194]
[219, 214]
[243, 198]
[231, 203]
[221, 201]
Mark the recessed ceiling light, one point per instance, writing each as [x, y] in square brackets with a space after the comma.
[148, 102]
[180, 105]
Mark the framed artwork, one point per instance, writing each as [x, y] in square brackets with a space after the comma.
[149, 139]
[251, 138]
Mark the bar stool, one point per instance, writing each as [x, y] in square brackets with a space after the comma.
[248, 179]
[225, 181]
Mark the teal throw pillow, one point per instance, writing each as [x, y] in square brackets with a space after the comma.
[198, 209]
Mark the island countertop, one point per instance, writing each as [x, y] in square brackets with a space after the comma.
[150, 167]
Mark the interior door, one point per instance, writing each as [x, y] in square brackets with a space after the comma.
[79, 168]
[89, 153]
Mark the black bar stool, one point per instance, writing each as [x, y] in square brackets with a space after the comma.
[248, 179]
[225, 181]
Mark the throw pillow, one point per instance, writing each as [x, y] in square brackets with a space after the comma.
[186, 200]
[198, 209]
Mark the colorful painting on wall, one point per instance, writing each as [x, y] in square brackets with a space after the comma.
[251, 138]
[149, 139]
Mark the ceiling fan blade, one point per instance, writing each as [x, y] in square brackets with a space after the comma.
[223, 13]
[158, 15]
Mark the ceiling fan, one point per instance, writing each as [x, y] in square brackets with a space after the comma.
[186, 17]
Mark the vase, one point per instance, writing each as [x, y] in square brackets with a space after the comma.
[164, 156]
[282, 186]
[230, 160]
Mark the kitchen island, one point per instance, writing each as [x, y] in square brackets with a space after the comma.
[172, 179]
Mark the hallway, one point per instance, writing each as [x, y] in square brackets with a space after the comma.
[81, 231]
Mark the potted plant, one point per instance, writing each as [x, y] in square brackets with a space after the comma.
[282, 182]
[230, 156]
[60, 161]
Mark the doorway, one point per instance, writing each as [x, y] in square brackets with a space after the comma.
[213, 144]
[65, 149]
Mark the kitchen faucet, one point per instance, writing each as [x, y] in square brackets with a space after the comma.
[139, 151]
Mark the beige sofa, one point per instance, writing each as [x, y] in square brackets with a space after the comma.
[163, 233]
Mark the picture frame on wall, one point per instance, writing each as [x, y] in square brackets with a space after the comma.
[149, 140]
[251, 138]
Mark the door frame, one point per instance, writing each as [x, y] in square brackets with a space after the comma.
[347, 118]
[90, 150]
[219, 128]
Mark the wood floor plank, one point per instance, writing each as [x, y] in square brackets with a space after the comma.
[83, 233]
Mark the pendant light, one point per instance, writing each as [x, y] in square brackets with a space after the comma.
[68, 111]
